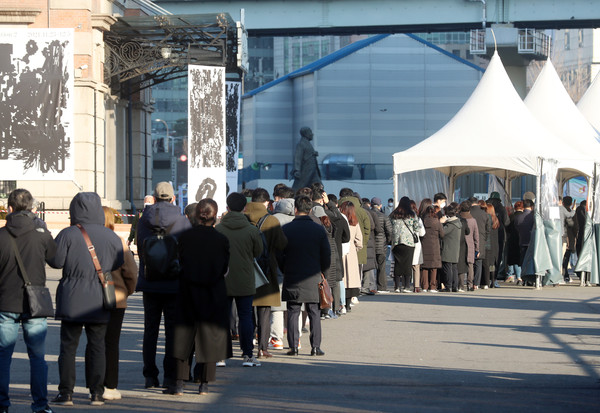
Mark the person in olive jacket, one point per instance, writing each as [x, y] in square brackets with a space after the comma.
[245, 244]
[268, 295]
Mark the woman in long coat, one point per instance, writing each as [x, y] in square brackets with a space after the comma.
[351, 267]
[203, 313]
[432, 259]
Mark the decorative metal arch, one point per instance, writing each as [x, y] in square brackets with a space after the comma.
[145, 51]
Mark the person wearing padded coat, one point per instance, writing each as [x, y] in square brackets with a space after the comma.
[35, 246]
[383, 237]
[79, 299]
[306, 256]
[484, 226]
[245, 244]
[451, 248]
[369, 275]
[159, 297]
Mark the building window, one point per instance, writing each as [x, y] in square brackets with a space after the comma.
[567, 40]
[580, 37]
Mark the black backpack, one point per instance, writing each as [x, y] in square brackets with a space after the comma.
[161, 260]
[263, 260]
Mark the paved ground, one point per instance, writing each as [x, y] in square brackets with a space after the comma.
[508, 349]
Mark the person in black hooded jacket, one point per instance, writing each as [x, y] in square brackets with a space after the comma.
[79, 301]
[35, 246]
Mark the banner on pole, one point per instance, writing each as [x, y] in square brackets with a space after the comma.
[206, 135]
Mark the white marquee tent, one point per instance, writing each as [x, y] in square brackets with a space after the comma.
[552, 106]
[493, 132]
[589, 104]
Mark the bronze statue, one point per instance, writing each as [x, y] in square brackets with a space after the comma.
[306, 168]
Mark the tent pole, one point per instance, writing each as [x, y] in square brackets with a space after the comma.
[451, 184]
[395, 189]
[538, 208]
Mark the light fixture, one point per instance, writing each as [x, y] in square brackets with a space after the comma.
[165, 52]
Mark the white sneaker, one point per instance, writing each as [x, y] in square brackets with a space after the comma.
[111, 394]
[383, 292]
[343, 310]
[406, 290]
[433, 290]
[275, 344]
[250, 362]
[485, 287]
[221, 363]
[397, 290]
[460, 290]
[354, 300]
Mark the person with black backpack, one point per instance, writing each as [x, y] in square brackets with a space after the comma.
[158, 229]
[268, 295]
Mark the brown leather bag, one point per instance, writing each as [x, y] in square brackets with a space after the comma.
[325, 296]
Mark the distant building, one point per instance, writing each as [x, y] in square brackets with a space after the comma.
[364, 102]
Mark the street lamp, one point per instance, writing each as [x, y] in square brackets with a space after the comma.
[168, 137]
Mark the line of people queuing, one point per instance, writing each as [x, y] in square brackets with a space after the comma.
[306, 234]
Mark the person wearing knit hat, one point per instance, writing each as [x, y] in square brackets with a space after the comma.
[236, 202]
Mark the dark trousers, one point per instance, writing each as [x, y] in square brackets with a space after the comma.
[381, 276]
[451, 273]
[204, 372]
[95, 361]
[313, 311]
[111, 343]
[246, 322]
[155, 305]
[263, 322]
[485, 272]
[565, 264]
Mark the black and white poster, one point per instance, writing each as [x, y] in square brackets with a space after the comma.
[234, 100]
[36, 104]
[206, 135]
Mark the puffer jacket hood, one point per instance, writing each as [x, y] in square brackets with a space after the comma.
[19, 223]
[234, 220]
[86, 208]
[453, 221]
[285, 206]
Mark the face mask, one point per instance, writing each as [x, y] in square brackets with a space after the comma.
[390, 204]
[443, 204]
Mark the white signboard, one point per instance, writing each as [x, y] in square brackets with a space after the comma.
[36, 104]
[206, 135]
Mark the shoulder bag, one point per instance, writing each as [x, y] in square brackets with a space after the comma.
[40, 300]
[325, 296]
[109, 297]
[415, 237]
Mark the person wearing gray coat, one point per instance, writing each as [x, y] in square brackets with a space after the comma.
[451, 248]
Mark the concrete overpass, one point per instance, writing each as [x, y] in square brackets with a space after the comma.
[342, 17]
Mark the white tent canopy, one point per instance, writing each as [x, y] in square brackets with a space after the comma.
[493, 132]
[552, 106]
[589, 104]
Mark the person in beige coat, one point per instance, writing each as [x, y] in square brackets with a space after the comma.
[125, 279]
[351, 266]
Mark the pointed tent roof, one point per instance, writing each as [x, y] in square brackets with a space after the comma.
[552, 106]
[589, 104]
[493, 132]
